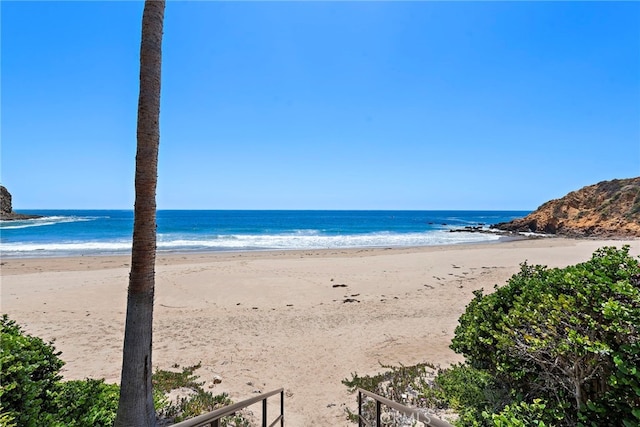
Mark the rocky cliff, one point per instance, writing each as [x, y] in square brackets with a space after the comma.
[605, 209]
[5, 201]
[6, 209]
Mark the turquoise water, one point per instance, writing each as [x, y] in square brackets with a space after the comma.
[104, 232]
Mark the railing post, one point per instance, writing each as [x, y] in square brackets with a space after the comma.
[215, 423]
[264, 412]
[378, 407]
[359, 408]
[282, 408]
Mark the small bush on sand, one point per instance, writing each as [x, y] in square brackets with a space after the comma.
[30, 375]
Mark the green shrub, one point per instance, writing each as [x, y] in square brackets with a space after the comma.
[404, 384]
[85, 403]
[6, 419]
[464, 386]
[520, 414]
[165, 381]
[32, 394]
[567, 335]
[412, 386]
[553, 347]
[200, 402]
[469, 392]
[30, 375]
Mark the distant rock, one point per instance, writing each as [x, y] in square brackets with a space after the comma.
[608, 209]
[6, 210]
[5, 201]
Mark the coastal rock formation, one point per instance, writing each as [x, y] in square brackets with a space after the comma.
[6, 209]
[5, 201]
[606, 209]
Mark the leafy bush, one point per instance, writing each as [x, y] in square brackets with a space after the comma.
[469, 392]
[568, 336]
[30, 375]
[553, 347]
[463, 385]
[6, 419]
[85, 403]
[32, 393]
[520, 415]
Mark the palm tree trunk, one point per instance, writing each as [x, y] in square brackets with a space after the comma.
[135, 407]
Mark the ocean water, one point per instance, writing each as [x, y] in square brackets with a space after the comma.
[106, 232]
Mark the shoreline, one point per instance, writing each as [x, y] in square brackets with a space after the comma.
[300, 319]
[502, 238]
[43, 253]
[16, 265]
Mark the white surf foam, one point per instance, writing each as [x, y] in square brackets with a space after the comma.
[40, 222]
[299, 240]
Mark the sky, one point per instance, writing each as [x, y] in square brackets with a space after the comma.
[322, 105]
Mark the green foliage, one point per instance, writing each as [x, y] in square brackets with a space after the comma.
[554, 347]
[469, 392]
[412, 386]
[405, 384]
[565, 335]
[165, 381]
[6, 419]
[520, 414]
[30, 374]
[33, 395]
[462, 386]
[198, 403]
[85, 403]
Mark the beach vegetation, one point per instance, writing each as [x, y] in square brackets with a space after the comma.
[81, 403]
[6, 419]
[566, 338]
[197, 402]
[552, 347]
[32, 392]
[165, 381]
[30, 375]
[412, 386]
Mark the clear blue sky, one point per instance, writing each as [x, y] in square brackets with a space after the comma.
[323, 105]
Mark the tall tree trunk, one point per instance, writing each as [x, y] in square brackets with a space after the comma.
[135, 407]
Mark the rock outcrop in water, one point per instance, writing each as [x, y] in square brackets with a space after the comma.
[6, 209]
[608, 209]
[5, 201]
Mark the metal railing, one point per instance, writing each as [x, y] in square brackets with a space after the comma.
[212, 419]
[412, 413]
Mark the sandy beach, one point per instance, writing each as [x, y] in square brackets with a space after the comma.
[302, 320]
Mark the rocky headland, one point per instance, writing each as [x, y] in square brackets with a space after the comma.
[608, 209]
[6, 209]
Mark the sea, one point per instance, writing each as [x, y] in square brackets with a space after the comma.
[60, 233]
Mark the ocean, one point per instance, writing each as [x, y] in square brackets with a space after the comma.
[108, 232]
